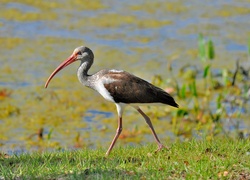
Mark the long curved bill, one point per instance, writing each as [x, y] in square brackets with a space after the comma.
[65, 63]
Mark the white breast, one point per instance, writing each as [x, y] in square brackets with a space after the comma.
[99, 87]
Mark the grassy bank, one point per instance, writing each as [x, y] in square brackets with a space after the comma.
[221, 159]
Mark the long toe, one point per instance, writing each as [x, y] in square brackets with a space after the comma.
[160, 147]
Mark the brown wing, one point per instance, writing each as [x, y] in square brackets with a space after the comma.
[130, 89]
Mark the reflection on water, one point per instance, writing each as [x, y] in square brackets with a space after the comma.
[93, 118]
[91, 115]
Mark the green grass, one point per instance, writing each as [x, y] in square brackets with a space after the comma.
[219, 159]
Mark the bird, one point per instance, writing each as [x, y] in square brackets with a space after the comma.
[119, 87]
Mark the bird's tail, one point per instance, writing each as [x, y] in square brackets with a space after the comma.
[166, 98]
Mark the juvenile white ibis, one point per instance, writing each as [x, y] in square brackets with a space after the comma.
[119, 87]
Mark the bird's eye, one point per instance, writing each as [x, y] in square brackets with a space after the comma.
[79, 53]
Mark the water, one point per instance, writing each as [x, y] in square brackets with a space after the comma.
[141, 37]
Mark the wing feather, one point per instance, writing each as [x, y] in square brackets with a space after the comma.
[128, 88]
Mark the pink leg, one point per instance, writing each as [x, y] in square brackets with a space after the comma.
[148, 121]
[118, 132]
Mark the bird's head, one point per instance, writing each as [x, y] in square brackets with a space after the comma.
[81, 53]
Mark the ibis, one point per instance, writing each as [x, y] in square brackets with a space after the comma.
[119, 87]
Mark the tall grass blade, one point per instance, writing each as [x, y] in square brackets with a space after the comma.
[183, 91]
[193, 88]
[206, 71]
[210, 50]
[218, 101]
[50, 133]
[201, 46]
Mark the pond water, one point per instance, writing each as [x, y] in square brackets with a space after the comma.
[142, 37]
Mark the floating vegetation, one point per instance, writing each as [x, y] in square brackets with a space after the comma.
[9, 110]
[229, 11]
[152, 7]
[115, 20]
[18, 15]
[4, 93]
[10, 43]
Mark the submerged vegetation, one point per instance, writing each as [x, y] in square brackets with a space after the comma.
[213, 103]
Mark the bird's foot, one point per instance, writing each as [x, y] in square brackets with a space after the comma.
[160, 147]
